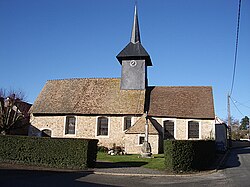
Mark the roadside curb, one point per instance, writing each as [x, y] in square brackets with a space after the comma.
[130, 174]
[154, 175]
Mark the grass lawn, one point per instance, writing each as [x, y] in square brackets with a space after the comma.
[134, 160]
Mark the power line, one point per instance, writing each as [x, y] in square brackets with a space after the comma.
[237, 107]
[240, 103]
[236, 49]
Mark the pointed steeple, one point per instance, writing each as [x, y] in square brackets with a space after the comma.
[134, 50]
[135, 35]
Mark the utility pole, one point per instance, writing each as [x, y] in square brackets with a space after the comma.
[229, 121]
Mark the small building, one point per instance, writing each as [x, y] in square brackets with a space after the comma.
[115, 110]
[221, 138]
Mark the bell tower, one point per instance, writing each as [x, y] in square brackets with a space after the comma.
[134, 60]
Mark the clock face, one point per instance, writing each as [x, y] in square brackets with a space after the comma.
[133, 63]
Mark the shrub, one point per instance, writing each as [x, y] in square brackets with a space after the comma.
[51, 152]
[103, 149]
[116, 150]
[186, 155]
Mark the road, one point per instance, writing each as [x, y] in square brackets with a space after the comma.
[237, 167]
[236, 172]
[40, 178]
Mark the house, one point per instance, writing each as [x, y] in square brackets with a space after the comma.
[14, 116]
[115, 110]
[21, 127]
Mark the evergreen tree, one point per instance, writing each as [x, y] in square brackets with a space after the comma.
[244, 123]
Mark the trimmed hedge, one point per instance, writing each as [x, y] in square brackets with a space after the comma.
[188, 155]
[51, 152]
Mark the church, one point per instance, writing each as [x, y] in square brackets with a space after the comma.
[115, 110]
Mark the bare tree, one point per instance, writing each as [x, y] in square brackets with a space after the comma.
[2, 93]
[234, 121]
[10, 113]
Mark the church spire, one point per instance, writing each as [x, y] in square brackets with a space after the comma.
[134, 50]
[135, 35]
[134, 60]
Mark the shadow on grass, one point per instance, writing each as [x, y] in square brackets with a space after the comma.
[101, 164]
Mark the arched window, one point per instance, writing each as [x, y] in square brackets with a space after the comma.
[102, 126]
[46, 133]
[168, 129]
[127, 122]
[70, 125]
[193, 129]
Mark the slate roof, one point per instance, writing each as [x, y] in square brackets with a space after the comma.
[139, 127]
[135, 34]
[88, 96]
[181, 102]
[134, 50]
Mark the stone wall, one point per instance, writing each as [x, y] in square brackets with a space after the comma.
[132, 143]
[86, 127]
[207, 128]
[53, 123]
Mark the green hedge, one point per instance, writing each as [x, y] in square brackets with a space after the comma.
[188, 155]
[51, 152]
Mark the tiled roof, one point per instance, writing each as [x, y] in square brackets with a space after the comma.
[88, 96]
[181, 102]
[139, 126]
[103, 96]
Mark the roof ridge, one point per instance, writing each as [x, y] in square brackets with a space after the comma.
[180, 86]
[92, 78]
[139, 125]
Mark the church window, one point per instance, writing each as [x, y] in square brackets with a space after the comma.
[168, 129]
[141, 140]
[193, 129]
[70, 125]
[127, 122]
[102, 126]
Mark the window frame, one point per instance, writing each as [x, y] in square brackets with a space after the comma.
[65, 126]
[97, 126]
[140, 136]
[199, 129]
[124, 122]
[174, 128]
